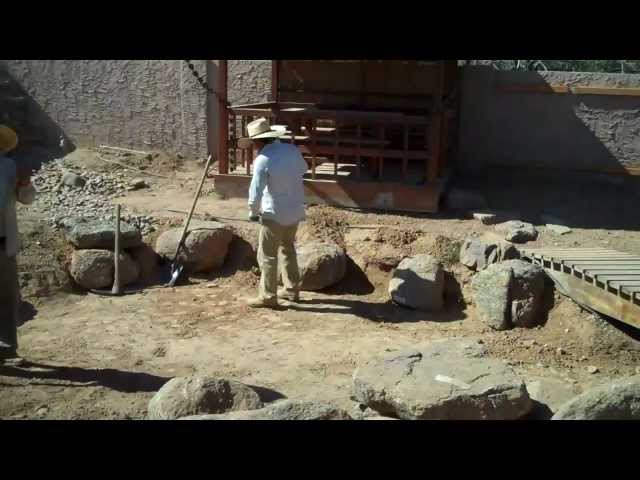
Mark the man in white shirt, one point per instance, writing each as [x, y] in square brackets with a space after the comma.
[15, 185]
[276, 199]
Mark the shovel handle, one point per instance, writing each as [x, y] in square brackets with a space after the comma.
[193, 207]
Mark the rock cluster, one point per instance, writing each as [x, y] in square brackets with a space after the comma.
[64, 194]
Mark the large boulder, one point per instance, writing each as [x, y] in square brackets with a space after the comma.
[184, 396]
[517, 232]
[510, 294]
[94, 269]
[418, 282]
[205, 246]
[450, 379]
[101, 235]
[479, 253]
[283, 410]
[321, 265]
[550, 392]
[617, 400]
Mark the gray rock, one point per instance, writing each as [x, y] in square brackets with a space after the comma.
[491, 297]
[73, 180]
[478, 253]
[418, 282]
[526, 293]
[617, 400]
[558, 229]
[550, 392]
[283, 410]
[486, 218]
[321, 265]
[517, 232]
[184, 396]
[94, 269]
[205, 247]
[464, 199]
[138, 183]
[451, 379]
[510, 294]
[99, 234]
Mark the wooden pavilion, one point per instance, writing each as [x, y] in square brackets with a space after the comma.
[375, 134]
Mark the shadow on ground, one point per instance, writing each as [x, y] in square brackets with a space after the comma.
[266, 394]
[26, 312]
[387, 312]
[121, 381]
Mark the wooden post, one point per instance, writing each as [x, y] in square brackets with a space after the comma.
[436, 129]
[434, 150]
[336, 156]
[211, 105]
[358, 159]
[405, 160]
[381, 160]
[223, 119]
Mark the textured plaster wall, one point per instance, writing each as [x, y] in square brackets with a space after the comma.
[560, 131]
[132, 103]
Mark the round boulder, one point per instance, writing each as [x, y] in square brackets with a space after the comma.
[321, 265]
[185, 396]
[517, 232]
[94, 269]
[418, 282]
[478, 253]
[84, 234]
[283, 410]
[510, 294]
[445, 380]
[617, 400]
[205, 246]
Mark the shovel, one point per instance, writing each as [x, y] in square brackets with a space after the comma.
[176, 266]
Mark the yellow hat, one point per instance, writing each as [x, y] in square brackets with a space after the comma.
[8, 139]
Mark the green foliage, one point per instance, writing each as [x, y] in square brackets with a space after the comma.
[608, 66]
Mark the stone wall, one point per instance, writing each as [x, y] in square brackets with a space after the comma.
[559, 131]
[142, 104]
[157, 104]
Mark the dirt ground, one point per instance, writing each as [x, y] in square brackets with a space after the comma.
[100, 357]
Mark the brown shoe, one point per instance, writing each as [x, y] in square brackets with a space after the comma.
[263, 303]
[289, 296]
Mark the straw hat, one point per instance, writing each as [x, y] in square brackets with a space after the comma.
[260, 128]
[8, 139]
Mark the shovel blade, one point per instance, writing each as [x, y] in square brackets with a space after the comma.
[175, 274]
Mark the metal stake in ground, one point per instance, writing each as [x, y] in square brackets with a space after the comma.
[117, 287]
[176, 267]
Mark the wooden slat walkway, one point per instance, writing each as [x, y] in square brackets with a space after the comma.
[605, 280]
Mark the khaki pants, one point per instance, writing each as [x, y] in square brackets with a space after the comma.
[272, 237]
[8, 303]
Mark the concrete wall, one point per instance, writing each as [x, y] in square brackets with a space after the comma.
[129, 103]
[547, 130]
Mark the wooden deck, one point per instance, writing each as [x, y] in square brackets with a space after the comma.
[607, 281]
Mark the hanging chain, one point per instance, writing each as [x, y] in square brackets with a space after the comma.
[200, 78]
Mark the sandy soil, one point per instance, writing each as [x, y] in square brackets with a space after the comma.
[103, 357]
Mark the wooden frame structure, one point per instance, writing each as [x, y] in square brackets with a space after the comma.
[376, 134]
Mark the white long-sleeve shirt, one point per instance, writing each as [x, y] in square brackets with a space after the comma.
[8, 197]
[277, 188]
